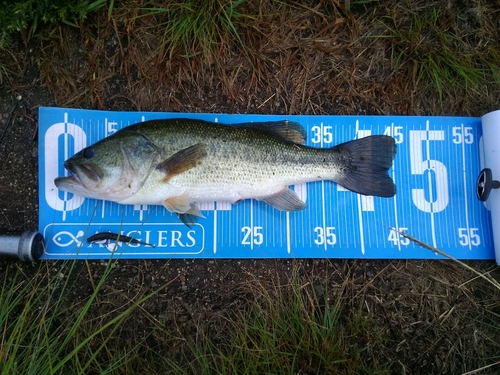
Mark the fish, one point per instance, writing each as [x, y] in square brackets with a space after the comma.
[180, 162]
[108, 236]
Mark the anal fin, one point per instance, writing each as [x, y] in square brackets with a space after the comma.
[285, 200]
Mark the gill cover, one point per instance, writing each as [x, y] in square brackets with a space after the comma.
[114, 168]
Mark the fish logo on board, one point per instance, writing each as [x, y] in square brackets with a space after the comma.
[65, 238]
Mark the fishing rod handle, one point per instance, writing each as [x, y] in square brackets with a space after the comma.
[27, 246]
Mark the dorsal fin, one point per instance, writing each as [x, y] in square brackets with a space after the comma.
[286, 131]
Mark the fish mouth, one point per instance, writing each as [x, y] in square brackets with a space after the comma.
[70, 183]
[84, 176]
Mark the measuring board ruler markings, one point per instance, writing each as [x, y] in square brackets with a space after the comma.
[435, 170]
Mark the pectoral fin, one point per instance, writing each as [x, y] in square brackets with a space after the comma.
[285, 200]
[183, 160]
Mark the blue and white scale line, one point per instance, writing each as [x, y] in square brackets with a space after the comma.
[350, 232]
[394, 201]
[464, 171]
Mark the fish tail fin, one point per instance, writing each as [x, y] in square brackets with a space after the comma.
[370, 159]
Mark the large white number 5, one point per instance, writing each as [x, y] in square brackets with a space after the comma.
[420, 164]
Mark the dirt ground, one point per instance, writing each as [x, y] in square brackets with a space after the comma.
[431, 316]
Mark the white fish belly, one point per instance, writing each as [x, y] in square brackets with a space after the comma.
[215, 180]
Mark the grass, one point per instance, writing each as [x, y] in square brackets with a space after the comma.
[464, 265]
[29, 17]
[244, 47]
[44, 330]
[325, 316]
[291, 328]
[307, 323]
[194, 27]
[296, 327]
[490, 318]
[437, 49]
[26, 16]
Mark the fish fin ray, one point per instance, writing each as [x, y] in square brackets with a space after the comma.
[178, 204]
[285, 200]
[371, 158]
[187, 211]
[195, 211]
[286, 131]
[188, 219]
[183, 160]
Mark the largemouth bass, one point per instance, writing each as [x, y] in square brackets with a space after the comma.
[180, 162]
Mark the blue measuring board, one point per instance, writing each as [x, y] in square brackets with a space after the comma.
[435, 170]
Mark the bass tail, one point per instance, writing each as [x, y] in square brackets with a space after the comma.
[370, 159]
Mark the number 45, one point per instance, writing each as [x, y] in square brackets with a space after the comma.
[396, 237]
[396, 132]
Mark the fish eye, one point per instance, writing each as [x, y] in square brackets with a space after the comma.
[89, 152]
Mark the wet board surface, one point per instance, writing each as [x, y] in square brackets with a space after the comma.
[435, 171]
